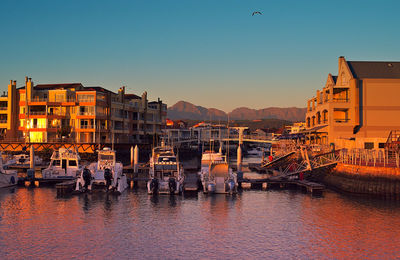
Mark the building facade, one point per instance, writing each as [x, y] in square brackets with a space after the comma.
[358, 108]
[74, 113]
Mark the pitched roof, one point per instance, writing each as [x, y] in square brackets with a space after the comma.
[58, 86]
[131, 96]
[375, 69]
[100, 89]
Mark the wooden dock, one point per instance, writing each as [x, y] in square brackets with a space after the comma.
[280, 183]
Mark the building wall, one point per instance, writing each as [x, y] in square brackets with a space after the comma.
[359, 110]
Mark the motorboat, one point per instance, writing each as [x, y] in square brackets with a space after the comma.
[166, 173]
[64, 164]
[7, 177]
[216, 176]
[105, 174]
[24, 159]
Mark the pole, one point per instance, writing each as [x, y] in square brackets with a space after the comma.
[136, 159]
[132, 160]
[32, 158]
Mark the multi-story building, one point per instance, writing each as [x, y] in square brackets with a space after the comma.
[74, 113]
[358, 108]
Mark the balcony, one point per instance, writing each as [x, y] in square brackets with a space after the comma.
[2, 121]
[341, 120]
[86, 113]
[37, 113]
[86, 127]
[341, 100]
[3, 108]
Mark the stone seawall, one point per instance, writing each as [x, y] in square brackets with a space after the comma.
[383, 182]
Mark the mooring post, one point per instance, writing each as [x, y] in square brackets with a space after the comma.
[132, 157]
[136, 159]
[32, 158]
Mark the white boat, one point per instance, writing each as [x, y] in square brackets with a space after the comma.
[24, 159]
[7, 177]
[166, 173]
[105, 174]
[64, 164]
[216, 176]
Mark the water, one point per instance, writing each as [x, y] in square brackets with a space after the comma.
[253, 224]
[34, 223]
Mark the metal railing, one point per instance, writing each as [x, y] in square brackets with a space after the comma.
[370, 157]
[3, 108]
[341, 100]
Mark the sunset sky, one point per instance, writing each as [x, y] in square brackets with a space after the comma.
[212, 53]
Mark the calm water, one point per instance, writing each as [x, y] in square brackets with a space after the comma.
[253, 224]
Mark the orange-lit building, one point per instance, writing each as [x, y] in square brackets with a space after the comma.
[358, 108]
[74, 113]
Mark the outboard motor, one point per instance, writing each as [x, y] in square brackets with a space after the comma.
[154, 185]
[87, 176]
[108, 177]
[231, 186]
[172, 185]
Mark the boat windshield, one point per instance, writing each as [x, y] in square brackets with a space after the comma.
[108, 157]
[166, 159]
[56, 163]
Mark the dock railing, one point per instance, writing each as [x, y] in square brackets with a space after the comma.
[370, 157]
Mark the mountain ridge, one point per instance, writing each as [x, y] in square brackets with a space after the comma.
[187, 110]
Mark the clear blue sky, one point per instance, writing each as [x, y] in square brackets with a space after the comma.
[209, 52]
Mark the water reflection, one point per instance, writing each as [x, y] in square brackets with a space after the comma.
[251, 224]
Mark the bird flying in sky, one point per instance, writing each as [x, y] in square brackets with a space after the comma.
[256, 12]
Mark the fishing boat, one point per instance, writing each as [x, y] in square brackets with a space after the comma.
[105, 174]
[64, 164]
[166, 173]
[216, 176]
[7, 177]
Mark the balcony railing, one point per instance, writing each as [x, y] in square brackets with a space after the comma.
[3, 121]
[86, 113]
[86, 100]
[37, 99]
[34, 113]
[86, 126]
[3, 108]
[341, 100]
[342, 120]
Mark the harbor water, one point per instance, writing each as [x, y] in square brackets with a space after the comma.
[272, 224]
[34, 223]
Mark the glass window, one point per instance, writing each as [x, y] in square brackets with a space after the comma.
[72, 163]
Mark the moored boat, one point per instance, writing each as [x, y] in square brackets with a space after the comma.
[7, 177]
[216, 175]
[105, 174]
[166, 173]
[64, 164]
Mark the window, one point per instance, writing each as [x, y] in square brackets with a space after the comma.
[56, 163]
[368, 145]
[72, 163]
[381, 145]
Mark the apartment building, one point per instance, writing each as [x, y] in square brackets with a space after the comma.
[358, 108]
[75, 113]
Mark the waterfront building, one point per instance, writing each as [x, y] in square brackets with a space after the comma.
[358, 108]
[74, 113]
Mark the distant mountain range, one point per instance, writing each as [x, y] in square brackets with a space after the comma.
[185, 110]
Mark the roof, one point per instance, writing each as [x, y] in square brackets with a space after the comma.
[100, 89]
[375, 69]
[315, 129]
[131, 96]
[58, 86]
